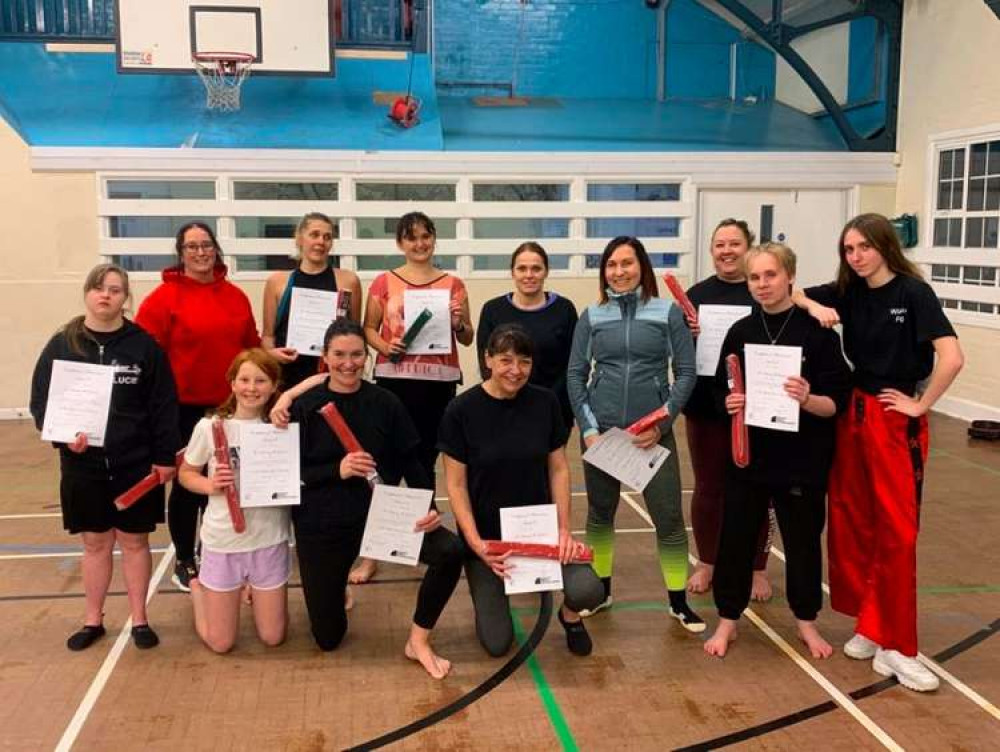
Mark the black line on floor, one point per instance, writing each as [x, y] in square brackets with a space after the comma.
[522, 655]
[826, 707]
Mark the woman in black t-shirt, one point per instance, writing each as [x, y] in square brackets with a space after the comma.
[896, 336]
[707, 428]
[503, 445]
[548, 318]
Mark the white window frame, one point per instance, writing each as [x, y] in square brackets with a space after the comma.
[928, 254]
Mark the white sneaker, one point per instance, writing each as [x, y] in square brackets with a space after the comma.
[603, 605]
[910, 672]
[860, 648]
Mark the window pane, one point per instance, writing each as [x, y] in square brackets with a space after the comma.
[269, 262]
[404, 192]
[945, 161]
[153, 227]
[258, 191]
[940, 232]
[517, 229]
[381, 263]
[957, 186]
[176, 189]
[949, 303]
[659, 260]
[522, 192]
[993, 164]
[944, 194]
[645, 227]
[385, 228]
[138, 262]
[977, 160]
[977, 194]
[498, 262]
[993, 194]
[968, 305]
[266, 227]
[636, 191]
[959, 169]
[953, 273]
[971, 275]
[955, 233]
[990, 233]
[989, 275]
[937, 272]
[974, 232]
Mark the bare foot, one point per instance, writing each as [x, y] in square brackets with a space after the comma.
[363, 572]
[761, 588]
[348, 598]
[818, 647]
[718, 643]
[701, 580]
[420, 651]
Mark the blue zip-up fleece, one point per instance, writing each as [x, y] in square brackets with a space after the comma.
[618, 364]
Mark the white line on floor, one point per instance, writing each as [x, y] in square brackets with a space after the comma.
[35, 516]
[104, 673]
[62, 555]
[838, 697]
[954, 681]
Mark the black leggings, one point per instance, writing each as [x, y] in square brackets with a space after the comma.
[325, 560]
[801, 513]
[425, 401]
[183, 506]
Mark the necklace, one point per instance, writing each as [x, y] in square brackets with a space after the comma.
[776, 337]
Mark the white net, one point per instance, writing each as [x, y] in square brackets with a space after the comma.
[223, 77]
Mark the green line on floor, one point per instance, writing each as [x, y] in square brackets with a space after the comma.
[552, 709]
[964, 461]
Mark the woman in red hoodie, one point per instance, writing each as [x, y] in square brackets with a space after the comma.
[202, 321]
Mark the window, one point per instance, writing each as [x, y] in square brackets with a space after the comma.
[642, 227]
[520, 229]
[633, 192]
[520, 192]
[152, 227]
[261, 191]
[369, 228]
[404, 192]
[161, 189]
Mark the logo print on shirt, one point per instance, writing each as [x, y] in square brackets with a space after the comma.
[127, 374]
[898, 315]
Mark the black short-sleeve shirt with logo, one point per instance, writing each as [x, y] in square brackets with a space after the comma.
[889, 331]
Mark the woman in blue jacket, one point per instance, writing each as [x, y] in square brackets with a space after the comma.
[623, 347]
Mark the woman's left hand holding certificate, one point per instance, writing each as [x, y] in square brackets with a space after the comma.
[78, 403]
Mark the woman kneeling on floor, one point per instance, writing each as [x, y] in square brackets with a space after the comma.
[503, 445]
[788, 467]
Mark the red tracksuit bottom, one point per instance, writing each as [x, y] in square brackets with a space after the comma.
[874, 515]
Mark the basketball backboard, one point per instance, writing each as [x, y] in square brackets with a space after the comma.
[290, 37]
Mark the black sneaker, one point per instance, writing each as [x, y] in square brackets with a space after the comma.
[680, 610]
[144, 637]
[577, 639]
[86, 637]
[184, 571]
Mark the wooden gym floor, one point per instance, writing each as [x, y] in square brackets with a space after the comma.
[648, 685]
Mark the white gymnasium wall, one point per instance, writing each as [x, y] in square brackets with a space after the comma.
[948, 84]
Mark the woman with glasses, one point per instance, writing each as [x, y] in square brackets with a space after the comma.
[202, 321]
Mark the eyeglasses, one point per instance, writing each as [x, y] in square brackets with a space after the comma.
[207, 246]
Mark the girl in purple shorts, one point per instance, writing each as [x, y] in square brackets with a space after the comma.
[256, 558]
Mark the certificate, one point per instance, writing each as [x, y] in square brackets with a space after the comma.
[79, 401]
[538, 523]
[768, 367]
[615, 454]
[389, 534]
[714, 321]
[312, 311]
[269, 465]
[435, 337]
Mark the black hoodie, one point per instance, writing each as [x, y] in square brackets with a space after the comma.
[142, 421]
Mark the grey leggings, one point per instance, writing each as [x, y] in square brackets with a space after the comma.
[494, 628]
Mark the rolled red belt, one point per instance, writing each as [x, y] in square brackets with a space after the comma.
[143, 487]
[344, 434]
[648, 421]
[534, 550]
[680, 296]
[739, 437]
[222, 457]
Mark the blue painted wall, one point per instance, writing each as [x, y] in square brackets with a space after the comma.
[562, 48]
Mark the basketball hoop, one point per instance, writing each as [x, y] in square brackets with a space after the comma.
[223, 74]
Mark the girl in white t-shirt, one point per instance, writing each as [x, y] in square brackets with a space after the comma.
[257, 557]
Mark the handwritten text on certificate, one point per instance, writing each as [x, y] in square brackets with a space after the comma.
[768, 367]
[269, 465]
[78, 402]
[435, 337]
[615, 454]
[715, 321]
[389, 531]
[312, 312]
[538, 523]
